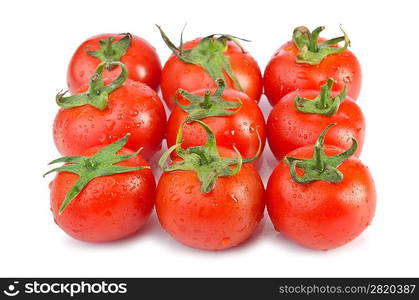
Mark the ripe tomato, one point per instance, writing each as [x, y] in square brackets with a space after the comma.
[208, 198]
[320, 214]
[140, 58]
[221, 219]
[285, 74]
[192, 76]
[132, 108]
[109, 207]
[240, 129]
[289, 129]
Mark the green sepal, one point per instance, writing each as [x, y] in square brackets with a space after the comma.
[201, 107]
[320, 166]
[323, 104]
[205, 160]
[97, 95]
[209, 54]
[88, 168]
[111, 51]
[312, 52]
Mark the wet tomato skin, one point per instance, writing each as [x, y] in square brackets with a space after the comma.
[321, 215]
[238, 129]
[141, 60]
[221, 219]
[177, 74]
[284, 75]
[132, 108]
[288, 129]
[108, 208]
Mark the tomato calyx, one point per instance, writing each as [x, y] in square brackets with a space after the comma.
[201, 107]
[98, 93]
[209, 54]
[323, 104]
[88, 168]
[205, 160]
[320, 166]
[111, 51]
[310, 51]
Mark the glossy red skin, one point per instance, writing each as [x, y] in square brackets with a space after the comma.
[109, 207]
[132, 108]
[238, 129]
[321, 215]
[289, 129]
[284, 75]
[212, 221]
[177, 74]
[141, 60]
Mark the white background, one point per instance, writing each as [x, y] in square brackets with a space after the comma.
[37, 41]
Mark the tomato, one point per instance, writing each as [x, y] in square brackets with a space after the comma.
[221, 219]
[192, 76]
[107, 208]
[320, 214]
[284, 74]
[203, 202]
[289, 128]
[240, 129]
[132, 108]
[140, 58]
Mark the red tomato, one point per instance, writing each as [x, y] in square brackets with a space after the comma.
[141, 60]
[284, 75]
[220, 219]
[321, 215]
[132, 108]
[289, 129]
[238, 129]
[109, 207]
[177, 74]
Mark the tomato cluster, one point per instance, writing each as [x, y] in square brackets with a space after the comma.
[211, 196]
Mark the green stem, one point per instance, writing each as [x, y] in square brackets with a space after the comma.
[207, 99]
[314, 37]
[110, 51]
[205, 160]
[98, 93]
[323, 104]
[88, 168]
[320, 166]
[201, 107]
[209, 54]
[312, 52]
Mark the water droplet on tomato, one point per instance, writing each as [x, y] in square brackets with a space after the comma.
[188, 190]
[102, 138]
[226, 241]
[133, 112]
[110, 124]
[174, 198]
[302, 75]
